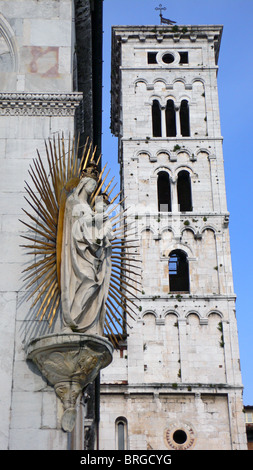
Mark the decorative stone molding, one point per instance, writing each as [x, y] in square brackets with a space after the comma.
[69, 362]
[186, 436]
[39, 104]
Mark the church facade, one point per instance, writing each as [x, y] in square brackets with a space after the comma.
[175, 383]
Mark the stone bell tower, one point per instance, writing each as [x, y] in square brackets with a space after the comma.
[176, 382]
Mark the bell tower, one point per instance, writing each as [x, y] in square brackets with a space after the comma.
[176, 382]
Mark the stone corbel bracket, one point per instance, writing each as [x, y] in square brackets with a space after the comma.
[69, 362]
[39, 104]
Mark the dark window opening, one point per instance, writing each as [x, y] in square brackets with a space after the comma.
[170, 119]
[163, 190]
[168, 58]
[184, 194]
[152, 57]
[180, 436]
[183, 58]
[185, 119]
[178, 272]
[156, 119]
[121, 435]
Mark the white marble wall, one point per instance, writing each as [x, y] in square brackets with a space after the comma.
[36, 102]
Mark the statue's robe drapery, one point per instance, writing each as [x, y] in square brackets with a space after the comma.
[85, 267]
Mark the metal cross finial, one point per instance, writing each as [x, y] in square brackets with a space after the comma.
[161, 8]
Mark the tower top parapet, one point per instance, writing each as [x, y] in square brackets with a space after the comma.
[175, 32]
[131, 43]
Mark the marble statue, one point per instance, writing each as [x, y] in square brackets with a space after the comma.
[86, 259]
[75, 257]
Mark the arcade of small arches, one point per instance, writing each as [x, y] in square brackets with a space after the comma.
[174, 188]
[174, 154]
[191, 314]
[171, 113]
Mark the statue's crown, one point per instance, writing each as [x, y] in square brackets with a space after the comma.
[91, 171]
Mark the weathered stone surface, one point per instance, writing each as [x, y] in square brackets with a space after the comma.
[179, 368]
[69, 362]
[35, 62]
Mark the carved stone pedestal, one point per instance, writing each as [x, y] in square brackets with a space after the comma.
[70, 362]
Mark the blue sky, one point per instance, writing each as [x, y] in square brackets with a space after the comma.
[236, 104]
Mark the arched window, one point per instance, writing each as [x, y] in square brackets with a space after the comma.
[184, 118]
[156, 119]
[170, 115]
[184, 193]
[163, 192]
[179, 272]
[121, 434]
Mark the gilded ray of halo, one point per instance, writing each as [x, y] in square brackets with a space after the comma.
[47, 201]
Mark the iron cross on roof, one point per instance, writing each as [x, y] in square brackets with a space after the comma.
[160, 8]
[162, 19]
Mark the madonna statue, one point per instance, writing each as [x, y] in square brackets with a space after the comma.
[86, 258]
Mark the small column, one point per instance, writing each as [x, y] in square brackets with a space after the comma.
[178, 125]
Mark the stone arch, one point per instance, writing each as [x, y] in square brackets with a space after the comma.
[179, 275]
[159, 80]
[179, 246]
[179, 81]
[170, 118]
[140, 80]
[162, 168]
[150, 313]
[121, 432]
[142, 153]
[170, 96]
[193, 317]
[184, 151]
[188, 235]
[163, 152]
[195, 314]
[166, 229]
[183, 167]
[184, 116]
[215, 312]
[164, 191]
[156, 118]
[208, 227]
[203, 150]
[171, 312]
[147, 233]
[8, 45]
[198, 79]
[184, 191]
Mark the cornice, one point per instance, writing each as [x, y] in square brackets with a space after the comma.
[39, 104]
[161, 31]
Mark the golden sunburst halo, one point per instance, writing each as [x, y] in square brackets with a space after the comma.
[52, 182]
